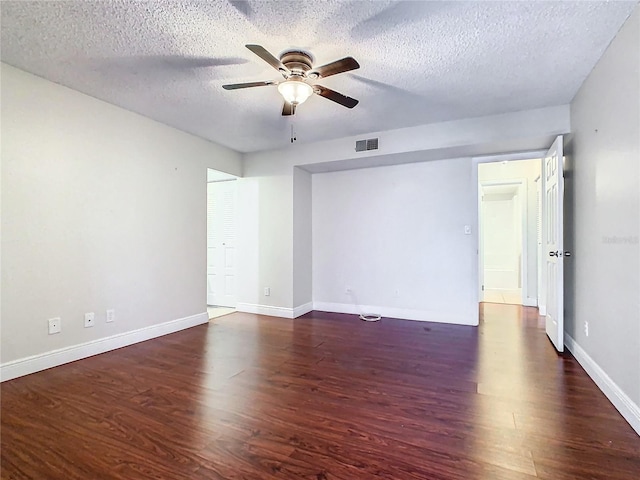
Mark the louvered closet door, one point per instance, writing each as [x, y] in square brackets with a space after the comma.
[221, 243]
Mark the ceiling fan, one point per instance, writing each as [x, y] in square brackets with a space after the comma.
[297, 69]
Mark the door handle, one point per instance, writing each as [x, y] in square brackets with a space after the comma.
[553, 254]
[567, 254]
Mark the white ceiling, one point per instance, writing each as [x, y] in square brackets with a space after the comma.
[421, 62]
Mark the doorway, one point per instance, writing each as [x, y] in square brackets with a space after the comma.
[503, 241]
[221, 243]
[507, 231]
[544, 231]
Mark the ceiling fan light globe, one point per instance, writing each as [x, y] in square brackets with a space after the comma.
[295, 91]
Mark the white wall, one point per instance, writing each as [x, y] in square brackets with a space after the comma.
[267, 198]
[266, 239]
[249, 246]
[395, 236]
[101, 208]
[510, 132]
[302, 239]
[527, 170]
[603, 222]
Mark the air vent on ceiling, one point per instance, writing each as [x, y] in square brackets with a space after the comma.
[369, 144]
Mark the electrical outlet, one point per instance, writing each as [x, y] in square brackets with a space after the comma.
[347, 290]
[397, 292]
[111, 315]
[267, 291]
[586, 328]
[467, 229]
[89, 319]
[55, 325]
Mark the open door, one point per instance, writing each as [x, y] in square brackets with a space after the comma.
[553, 207]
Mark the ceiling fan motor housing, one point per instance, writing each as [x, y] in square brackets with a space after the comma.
[298, 62]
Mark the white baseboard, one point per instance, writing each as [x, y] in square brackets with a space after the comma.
[271, 311]
[268, 310]
[627, 408]
[403, 313]
[302, 309]
[542, 310]
[530, 302]
[389, 312]
[43, 361]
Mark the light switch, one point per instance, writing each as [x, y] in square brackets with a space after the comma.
[467, 229]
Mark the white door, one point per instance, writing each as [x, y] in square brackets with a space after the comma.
[553, 209]
[221, 244]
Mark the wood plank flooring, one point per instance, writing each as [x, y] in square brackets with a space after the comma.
[322, 397]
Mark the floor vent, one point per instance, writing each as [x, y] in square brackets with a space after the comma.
[369, 144]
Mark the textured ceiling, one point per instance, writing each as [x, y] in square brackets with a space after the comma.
[421, 62]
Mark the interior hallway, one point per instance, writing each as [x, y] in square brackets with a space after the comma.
[325, 396]
[503, 296]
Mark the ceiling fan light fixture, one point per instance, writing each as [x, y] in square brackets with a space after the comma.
[296, 66]
[295, 91]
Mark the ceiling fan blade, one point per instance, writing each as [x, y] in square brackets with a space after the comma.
[339, 66]
[270, 59]
[288, 109]
[235, 86]
[335, 96]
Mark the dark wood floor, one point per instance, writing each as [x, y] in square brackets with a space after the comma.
[322, 397]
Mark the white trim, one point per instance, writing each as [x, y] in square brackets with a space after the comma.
[530, 302]
[399, 313]
[533, 155]
[540, 260]
[268, 310]
[542, 310]
[271, 311]
[36, 363]
[302, 309]
[627, 408]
